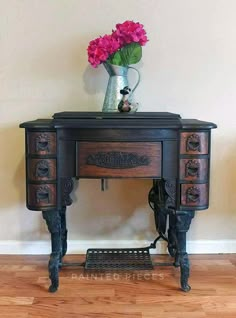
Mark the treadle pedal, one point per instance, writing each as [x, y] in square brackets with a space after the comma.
[118, 259]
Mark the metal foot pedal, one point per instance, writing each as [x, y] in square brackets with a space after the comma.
[118, 259]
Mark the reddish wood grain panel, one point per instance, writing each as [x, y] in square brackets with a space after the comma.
[41, 195]
[41, 169]
[194, 143]
[193, 169]
[41, 143]
[194, 194]
[116, 159]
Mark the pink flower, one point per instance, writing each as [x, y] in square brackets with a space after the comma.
[110, 43]
[129, 32]
[101, 48]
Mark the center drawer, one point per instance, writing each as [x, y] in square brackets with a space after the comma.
[118, 159]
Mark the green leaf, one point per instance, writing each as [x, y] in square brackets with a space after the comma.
[131, 53]
[116, 59]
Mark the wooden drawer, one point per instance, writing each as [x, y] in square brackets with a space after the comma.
[41, 195]
[41, 143]
[194, 143]
[41, 169]
[194, 195]
[116, 159]
[193, 169]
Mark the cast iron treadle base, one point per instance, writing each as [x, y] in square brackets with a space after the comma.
[118, 259]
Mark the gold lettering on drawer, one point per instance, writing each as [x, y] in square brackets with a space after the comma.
[194, 143]
[119, 159]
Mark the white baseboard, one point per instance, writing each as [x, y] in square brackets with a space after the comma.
[80, 247]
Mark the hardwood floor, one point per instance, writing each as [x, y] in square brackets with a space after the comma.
[143, 294]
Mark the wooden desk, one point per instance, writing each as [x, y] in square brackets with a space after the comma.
[173, 152]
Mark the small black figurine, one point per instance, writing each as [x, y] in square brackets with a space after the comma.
[124, 105]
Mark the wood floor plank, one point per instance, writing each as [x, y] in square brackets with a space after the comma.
[89, 315]
[86, 300]
[137, 294]
[19, 301]
[174, 315]
[14, 315]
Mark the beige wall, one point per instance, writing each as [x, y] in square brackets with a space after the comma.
[188, 67]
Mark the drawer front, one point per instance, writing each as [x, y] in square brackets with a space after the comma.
[193, 169]
[119, 159]
[41, 169]
[194, 143]
[41, 195]
[41, 143]
[194, 195]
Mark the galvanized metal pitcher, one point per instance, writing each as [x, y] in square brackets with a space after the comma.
[118, 79]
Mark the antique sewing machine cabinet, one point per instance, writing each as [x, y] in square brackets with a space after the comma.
[173, 152]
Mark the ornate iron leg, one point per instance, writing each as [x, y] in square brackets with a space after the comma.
[183, 221]
[53, 220]
[63, 232]
[161, 199]
[172, 237]
[67, 185]
[157, 199]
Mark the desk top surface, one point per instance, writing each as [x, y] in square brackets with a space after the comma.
[118, 120]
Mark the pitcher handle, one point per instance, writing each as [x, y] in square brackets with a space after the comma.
[139, 78]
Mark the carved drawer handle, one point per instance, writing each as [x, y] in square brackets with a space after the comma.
[193, 143]
[42, 169]
[42, 142]
[43, 195]
[192, 168]
[193, 195]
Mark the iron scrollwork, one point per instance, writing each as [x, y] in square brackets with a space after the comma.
[183, 221]
[162, 199]
[170, 188]
[67, 185]
[53, 220]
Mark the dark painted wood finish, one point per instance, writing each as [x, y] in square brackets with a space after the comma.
[159, 146]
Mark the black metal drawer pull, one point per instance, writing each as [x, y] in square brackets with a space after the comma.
[193, 143]
[43, 195]
[42, 143]
[193, 195]
[42, 169]
[192, 168]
